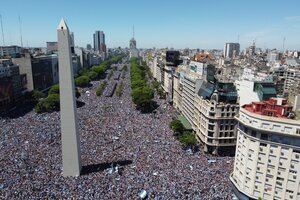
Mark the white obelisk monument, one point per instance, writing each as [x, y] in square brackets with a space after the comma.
[71, 155]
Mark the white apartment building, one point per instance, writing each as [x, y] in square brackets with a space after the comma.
[290, 76]
[267, 159]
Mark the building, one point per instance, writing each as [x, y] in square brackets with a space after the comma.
[231, 50]
[267, 159]
[216, 106]
[89, 47]
[12, 51]
[41, 71]
[209, 104]
[12, 84]
[51, 47]
[172, 61]
[291, 77]
[72, 42]
[132, 48]
[99, 42]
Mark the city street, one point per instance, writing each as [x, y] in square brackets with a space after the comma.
[123, 153]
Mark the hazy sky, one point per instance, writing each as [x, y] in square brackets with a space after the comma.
[158, 23]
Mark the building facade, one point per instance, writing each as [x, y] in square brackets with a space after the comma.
[12, 51]
[231, 50]
[99, 42]
[12, 84]
[267, 160]
[208, 104]
[41, 71]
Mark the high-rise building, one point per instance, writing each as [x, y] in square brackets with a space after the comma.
[72, 42]
[267, 159]
[99, 41]
[231, 50]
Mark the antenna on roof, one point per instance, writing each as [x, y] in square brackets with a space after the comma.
[2, 31]
[20, 31]
[238, 38]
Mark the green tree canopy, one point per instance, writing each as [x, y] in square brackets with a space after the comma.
[177, 126]
[82, 81]
[188, 139]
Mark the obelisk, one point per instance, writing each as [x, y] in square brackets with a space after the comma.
[71, 155]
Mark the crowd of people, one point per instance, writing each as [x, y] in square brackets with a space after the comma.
[124, 153]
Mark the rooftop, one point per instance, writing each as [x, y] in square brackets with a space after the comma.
[203, 57]
[274, 107]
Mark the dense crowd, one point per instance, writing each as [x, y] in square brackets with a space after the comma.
[123, 153]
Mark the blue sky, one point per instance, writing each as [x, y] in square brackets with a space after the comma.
[158, 23]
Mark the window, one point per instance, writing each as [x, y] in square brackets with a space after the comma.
[270, 113]
[263, 144]
[264, 136]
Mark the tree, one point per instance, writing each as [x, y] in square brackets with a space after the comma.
[82, 81]
[55, 90]
[187, 139]
[48, 104]
[138, 83]
[100, 70]
[37, 95]
[92, 75]
[177, 126]
[101, 88]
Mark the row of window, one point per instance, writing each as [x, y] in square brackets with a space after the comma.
[271, 137]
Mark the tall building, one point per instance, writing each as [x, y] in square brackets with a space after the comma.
[209, 104]
[72, 41]
[231, 50]
[71, 154]
[12, 83]
[267, 159]
[99, 42]
[41, 71]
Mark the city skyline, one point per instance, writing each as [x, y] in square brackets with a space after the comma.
[192, 24]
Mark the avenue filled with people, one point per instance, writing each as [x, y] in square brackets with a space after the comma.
[123, 153]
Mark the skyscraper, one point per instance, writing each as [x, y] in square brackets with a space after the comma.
[231, 50]
[69, 128]
[99, 41]
[72, 43]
